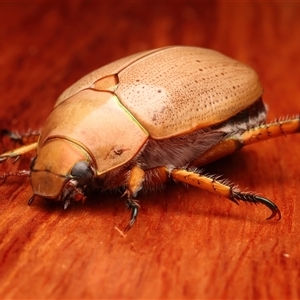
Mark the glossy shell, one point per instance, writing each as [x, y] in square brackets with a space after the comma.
[175, 90]
[155, 94]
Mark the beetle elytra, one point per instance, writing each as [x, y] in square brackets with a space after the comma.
[146, 119]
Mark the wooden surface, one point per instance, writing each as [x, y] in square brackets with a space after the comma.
[187, 243]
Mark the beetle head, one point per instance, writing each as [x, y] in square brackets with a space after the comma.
[62, 170]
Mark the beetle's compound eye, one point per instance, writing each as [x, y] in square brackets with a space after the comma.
[82, 172]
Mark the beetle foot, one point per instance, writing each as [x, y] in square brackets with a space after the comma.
[134, 206]
[252, 198]
[274, 213]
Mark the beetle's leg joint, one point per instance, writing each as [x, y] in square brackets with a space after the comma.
[169, 169]
[232, 197]
[281, 129]
[269, 133]
[131, 202]
[213, 183]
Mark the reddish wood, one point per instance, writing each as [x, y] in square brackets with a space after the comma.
[187, 243]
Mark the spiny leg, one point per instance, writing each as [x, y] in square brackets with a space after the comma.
[222, 189]
[254, 135]
[271, 130]
[16, 153]
[156, 176]
[134, 207]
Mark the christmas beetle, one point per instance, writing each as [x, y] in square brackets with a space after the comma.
[146, 119]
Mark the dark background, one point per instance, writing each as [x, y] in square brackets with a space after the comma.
[187, 243]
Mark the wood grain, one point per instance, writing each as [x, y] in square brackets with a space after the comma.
[187, 243]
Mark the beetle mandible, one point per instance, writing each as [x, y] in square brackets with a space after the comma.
[146, 119]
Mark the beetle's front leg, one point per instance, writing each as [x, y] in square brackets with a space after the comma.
[135, 184]
[134, 206]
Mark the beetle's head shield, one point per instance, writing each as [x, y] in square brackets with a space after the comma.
[62, 170]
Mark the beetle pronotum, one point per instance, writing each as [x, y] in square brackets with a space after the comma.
[145, 119]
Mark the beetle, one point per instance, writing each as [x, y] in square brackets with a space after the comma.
[146, 119]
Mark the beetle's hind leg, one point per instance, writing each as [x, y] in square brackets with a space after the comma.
[254, 135]
[220, 188]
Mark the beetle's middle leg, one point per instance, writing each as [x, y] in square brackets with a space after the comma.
[139, 178]
[222, 188]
